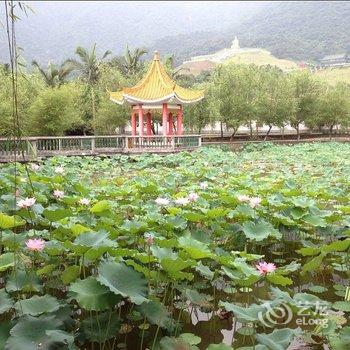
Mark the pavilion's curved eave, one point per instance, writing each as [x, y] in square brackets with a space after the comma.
[172, 98]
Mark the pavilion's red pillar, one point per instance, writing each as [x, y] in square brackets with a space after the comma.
[149, 124]
[165, 118]
[133, 124]
[179, 122]
[171, 125]
[140, 120]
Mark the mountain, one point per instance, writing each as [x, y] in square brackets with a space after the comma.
[297, 30]
[58, 27]
[300, 30]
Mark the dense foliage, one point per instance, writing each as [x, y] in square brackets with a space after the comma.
[241, 94]
[131, 252]
[54, 103]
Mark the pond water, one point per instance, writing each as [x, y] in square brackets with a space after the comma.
[217, 326]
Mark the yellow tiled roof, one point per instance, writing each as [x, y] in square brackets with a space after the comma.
[156, 86]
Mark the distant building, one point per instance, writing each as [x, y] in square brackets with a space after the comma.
[335, 60]
[222, 55]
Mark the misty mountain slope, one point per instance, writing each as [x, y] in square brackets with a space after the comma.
[292, 30]
[300, 30]
[57, 28]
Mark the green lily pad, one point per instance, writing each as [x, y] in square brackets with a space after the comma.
[279, 339]
[37, 305]
[100, 207]
[195, 249]
[57, 214]
[6, 261]
[70, 274]
[101, 327]
[123, 280]
[276, 278]
[91, 295]
[260, 231]
[6, 302]
[30, 333]
[342, 305]
[155, 312]
[317, 289]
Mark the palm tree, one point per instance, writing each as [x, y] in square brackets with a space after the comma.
[88, 67]
[175, 73]
[132, 60]
[53, 76]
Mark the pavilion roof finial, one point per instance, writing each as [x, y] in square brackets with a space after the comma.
[156, 56]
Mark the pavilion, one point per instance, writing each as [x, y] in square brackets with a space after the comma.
[156, 91]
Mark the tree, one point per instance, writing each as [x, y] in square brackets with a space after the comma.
[174, 73]
[333, 108]
[133, 60]
[55, 111]
[54, 76]
[198, 115]
[109, 117]
[275, 102]
[305, 90]
[234, 94]
[28, 87]
[88, 67]
[130, 64]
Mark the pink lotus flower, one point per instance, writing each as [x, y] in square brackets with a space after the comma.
[265, 267]
[203, 185]
[59, 170]
[243, 198]
[34, 166]
[84, 201]
[58, 194]
[149, 239]
[162, 201]
[35, 245]
[26, 203]
[254, 202]
[193, 197]
[182, 201]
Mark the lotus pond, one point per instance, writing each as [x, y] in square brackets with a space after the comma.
[209, 250]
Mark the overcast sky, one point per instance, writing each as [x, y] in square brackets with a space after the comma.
[57, 27]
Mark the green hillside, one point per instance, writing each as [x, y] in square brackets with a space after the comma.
[263, 58]
[335, 75]
[292, 30]
[300, 30]
[258, 57]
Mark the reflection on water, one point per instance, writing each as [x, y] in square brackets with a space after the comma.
[215, 326]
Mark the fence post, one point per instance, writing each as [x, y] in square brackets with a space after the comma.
[59, 144]
[199, 141]
[173, 142]
[93, 145]
[33, 149]
[126, 144]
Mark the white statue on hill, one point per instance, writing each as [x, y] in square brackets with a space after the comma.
[235, 44]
